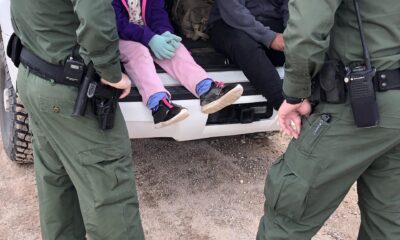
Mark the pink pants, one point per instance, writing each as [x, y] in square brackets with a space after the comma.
[139, 65]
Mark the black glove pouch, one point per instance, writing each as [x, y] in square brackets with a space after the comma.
[14, 48]
[329, 83]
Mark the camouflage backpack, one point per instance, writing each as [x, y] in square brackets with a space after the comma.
[192, 17]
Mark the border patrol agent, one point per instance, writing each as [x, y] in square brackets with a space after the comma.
[329, 152]
[83, 174]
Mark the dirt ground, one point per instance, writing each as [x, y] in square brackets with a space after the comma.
[197, 190]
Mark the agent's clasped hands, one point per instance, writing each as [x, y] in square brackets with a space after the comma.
[290, 117]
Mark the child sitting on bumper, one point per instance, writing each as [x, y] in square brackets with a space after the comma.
[146, 37]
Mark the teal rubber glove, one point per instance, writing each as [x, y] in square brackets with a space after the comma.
[161, 47]
[174, 40]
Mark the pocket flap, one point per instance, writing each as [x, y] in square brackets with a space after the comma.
[286, 192]
[103, 154]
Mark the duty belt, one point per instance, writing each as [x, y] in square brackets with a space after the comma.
[387, 80]
[44, 69]
[383, 81]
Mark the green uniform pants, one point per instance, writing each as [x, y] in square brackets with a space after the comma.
[308, 182]
[84, 175]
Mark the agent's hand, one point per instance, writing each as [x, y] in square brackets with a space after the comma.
[278, 44]
[161, 47]
[173, 39]
[124, 84]
[290, 117]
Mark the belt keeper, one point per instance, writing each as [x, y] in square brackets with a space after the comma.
[381, 82]
[387, 80]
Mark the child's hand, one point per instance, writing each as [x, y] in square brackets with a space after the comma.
[173, 39]
[161, 47]
[171, 36]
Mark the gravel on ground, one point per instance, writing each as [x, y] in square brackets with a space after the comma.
[197, 190]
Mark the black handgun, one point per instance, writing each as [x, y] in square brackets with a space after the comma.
[104, 99]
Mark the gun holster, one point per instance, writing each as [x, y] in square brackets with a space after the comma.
[14, 48]
[104, 99]
[105, 109]
[328, 84]
[105, 103]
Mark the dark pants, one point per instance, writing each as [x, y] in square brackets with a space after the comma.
[255, 59]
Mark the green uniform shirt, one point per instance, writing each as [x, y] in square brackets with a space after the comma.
[316, 27]
[51, 28]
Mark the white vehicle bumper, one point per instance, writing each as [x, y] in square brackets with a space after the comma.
[140, 122]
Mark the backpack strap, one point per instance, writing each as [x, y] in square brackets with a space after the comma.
[144, 5]
[125, 5]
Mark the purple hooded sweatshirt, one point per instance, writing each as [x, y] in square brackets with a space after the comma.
[155, 18]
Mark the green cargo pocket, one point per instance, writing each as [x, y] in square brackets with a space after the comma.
[58, 106]
[311, 132]
[286, 194]
[108, 172]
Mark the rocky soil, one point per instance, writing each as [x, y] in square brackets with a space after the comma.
[197, 190]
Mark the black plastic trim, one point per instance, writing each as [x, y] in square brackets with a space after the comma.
[181, 93]
[241, 113]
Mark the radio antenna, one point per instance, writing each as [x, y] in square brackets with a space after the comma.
[367, 58]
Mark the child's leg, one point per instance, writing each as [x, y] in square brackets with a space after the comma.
[214, 96]
[139, 65]
[183, 68]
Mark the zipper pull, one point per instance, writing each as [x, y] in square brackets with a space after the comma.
[324, 119]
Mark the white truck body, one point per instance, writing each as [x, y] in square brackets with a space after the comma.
[139, 120]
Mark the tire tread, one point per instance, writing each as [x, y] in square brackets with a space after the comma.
[19, 147]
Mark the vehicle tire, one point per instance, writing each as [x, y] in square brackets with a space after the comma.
[16, 137]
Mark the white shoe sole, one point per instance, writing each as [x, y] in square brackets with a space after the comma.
[226, 100]
[181, 116]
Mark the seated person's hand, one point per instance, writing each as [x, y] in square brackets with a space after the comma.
[173, 39]
[124, 84]
[161, 47]
[278, 44]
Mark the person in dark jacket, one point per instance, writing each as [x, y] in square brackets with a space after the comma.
[147, 37]
[249, 33]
